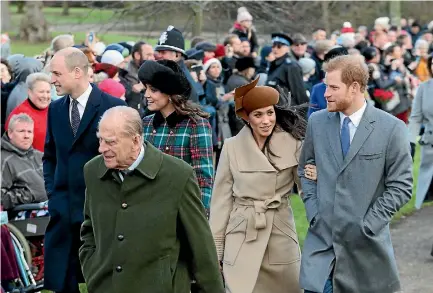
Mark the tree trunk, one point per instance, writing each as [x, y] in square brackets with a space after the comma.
[34, 27]
[65, 6]
[395, 12]
[20, 6]
[6, 16]
[325, 16]
[198, 20]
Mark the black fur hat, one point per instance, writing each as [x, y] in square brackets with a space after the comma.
[166, 76]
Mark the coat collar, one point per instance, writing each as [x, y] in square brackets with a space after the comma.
[171, 120]
[282, 144]
[148, 167]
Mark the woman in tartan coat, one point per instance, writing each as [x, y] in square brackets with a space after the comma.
[178, 127]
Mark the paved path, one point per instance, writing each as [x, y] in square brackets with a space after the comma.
[412, 238]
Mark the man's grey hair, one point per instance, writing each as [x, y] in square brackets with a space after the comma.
[62, 42]
[133, 125]
[22, 117]
[421, 44]
[33, 78]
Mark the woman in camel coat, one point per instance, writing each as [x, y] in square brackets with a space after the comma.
[251, 218]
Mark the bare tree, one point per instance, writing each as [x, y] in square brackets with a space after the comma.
[34, 27]
[5, 15]
[65, 6]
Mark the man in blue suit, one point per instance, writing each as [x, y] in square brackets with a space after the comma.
[70, 143]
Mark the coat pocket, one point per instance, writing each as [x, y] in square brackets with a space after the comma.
[165, 277]
[370, 156]
[283, 244]
[235, 237]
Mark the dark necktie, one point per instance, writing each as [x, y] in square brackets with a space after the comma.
[345, 136]
[75, 117]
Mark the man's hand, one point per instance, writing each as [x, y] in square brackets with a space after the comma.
[137, 88]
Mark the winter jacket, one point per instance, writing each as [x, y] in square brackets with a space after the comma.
[25, 67]
[250, 34]
[22, 176]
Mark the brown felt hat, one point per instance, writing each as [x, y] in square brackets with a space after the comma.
[251, 97]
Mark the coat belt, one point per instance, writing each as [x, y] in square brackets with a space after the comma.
[257, 220]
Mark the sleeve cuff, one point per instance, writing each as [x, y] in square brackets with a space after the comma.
[219, 243]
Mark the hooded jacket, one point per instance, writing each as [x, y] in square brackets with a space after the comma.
[22, 176]
[24, 67]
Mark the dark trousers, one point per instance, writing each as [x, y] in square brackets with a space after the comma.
[328, 288]
[74, 275]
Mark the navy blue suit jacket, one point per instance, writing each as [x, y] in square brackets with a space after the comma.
[63, 160]
[317, 98]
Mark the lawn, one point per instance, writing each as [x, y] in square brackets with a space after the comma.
[81, 15]
[20, 47]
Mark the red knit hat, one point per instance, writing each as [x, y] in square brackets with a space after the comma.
[220, 51]
[112, 87]
[109, 69]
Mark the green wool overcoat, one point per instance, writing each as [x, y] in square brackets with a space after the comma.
[148, 233]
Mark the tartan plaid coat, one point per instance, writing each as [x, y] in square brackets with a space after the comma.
[182, 137]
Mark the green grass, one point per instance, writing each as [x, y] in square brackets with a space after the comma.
[80, 15]
[21, 47]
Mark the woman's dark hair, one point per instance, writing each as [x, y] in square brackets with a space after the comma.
[390, 49]
[429, 64]
[184, 106]
[289, 119]
[182, 103]
[6, 63]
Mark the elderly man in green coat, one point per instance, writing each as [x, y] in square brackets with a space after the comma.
[144, 226]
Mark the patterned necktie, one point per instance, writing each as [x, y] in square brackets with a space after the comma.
[75, 116]
[345, 136]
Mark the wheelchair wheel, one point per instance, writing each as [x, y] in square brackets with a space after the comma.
[23, 241]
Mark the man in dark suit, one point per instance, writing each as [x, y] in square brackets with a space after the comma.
[70, 143]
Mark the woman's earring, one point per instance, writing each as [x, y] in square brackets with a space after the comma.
[169, 99]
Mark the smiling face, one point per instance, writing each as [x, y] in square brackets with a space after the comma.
[62, 78]
[156, 100]
[338, 96]
[5, 75]
[40, 94]
[262, 121]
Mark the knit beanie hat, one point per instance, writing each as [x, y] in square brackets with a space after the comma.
[112, 57]
[112, 87]
[243, 15]
[220, 51]
[209, 63]
[307, 65]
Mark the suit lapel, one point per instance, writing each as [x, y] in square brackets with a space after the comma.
[334, 137]
[64, 117]
[89, 113]
[363, 131]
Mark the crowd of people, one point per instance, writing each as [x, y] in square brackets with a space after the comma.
[235, 116]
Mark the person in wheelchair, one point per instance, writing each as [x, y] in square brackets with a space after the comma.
[21, 165]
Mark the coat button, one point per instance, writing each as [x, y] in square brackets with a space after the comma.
[120, 237]
[119, 269]
[124, 205]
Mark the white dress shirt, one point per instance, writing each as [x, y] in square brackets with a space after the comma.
[136, 162]
[355, 119]
[82, 102]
